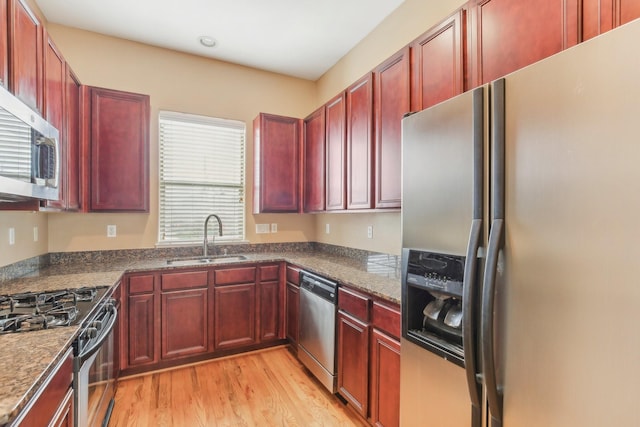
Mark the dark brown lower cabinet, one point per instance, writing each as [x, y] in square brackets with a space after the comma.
[293, 312]
[184, 323]
[353, 361]
[234, 318]
[269, 311]
[54, 404]
[385, 380]
[141, 331]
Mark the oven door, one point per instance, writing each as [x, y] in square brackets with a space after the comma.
[94, 378]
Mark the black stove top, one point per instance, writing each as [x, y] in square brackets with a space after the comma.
[32, 311]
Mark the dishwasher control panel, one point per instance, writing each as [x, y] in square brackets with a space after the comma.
[321, 286]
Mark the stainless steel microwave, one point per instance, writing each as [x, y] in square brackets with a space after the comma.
[29, 153]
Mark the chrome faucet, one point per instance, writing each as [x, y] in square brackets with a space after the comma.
[206, 223]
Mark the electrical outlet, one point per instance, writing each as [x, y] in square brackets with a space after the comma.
[274, 228]
[370, 231]
[35, 233]
[12, 236]
[111, 231]
[262, 228]
[327, 229]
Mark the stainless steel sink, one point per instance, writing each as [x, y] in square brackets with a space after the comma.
[206, 260]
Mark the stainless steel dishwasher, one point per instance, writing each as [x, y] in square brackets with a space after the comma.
[317, 339]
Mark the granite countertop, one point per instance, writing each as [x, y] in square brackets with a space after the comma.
[27, 359]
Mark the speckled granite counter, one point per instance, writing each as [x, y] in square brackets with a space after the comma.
[26, 359]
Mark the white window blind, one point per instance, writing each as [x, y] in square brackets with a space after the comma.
[201, 172]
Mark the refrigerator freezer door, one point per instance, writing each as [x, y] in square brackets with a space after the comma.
[444, 206]
[433, 391]
[438, 177]
[571, 293]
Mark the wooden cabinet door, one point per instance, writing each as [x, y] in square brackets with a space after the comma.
[385, 380]
[313, 164]
[54, 110]
[72, 135]
[235, 314]
[293, 312]
[437, 58]
[269, 311]
[353, 361]
[599, 16]
[141, 321]
[25, 47]
[119, 151]
[277, 164]
[184, 323]
[360, 143]
[391, 101]
[4, 46]
[627, 11]
[335, 140]
[508, 35]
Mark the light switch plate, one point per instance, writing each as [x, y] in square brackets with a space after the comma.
[327, 229]
[274, 228]
[262, 228]
[35, 233]
[370, 231]
[12, 236]
[111, 231]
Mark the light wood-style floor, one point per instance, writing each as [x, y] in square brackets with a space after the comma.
[265, 388]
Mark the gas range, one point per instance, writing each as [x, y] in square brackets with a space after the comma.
[31, 311]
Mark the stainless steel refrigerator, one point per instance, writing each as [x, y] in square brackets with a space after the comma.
[534, 183]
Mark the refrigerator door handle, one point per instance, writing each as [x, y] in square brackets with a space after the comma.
[469, 316]
[494, 394]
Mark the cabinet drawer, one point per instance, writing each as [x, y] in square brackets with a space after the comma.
[293, 275]
[269, 272]
[230, 276]
[386, 318]
[141, 284]
[353, 303]
[184, 280]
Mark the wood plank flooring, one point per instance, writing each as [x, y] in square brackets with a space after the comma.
[265, 388]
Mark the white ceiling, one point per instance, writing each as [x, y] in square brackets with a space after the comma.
[301, 38]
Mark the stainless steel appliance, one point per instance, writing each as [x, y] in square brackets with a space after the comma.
[542, 204]
[317, 335]
[94, 365]
[29, 153]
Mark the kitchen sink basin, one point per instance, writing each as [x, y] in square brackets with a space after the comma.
[206, 260]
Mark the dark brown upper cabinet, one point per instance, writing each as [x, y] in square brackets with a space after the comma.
[437, 59]
[599, 16]
[116, 150]
[336, 155]
[277, 148]
[72, 135]
[25, 49]
[391, 102]
[360, 143]
[313, 164]
[508, 35]
[54, 109]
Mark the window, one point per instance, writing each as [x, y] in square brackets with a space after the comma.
[202, 161]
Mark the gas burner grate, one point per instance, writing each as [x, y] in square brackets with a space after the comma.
[30, 311]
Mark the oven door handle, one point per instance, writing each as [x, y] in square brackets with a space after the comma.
[104, 334]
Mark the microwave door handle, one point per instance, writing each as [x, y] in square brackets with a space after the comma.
[105, 333]
[469, 327]
[494, 394]
[56, 174]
